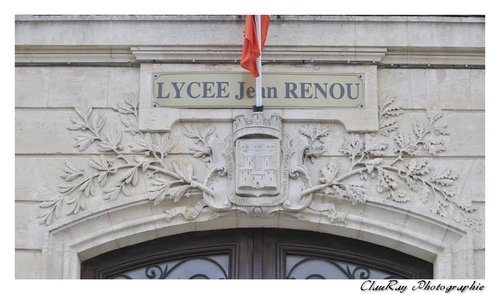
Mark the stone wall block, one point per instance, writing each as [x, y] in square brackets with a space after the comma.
[455, 89]
[68, 86]
[28, 264]
[453, 34]
[32, 87]
[40, 131]
[478, 89]
[121, 82]
[466, 132]
[46, 131]
[36, 179]
[28, 231]
[479, 264]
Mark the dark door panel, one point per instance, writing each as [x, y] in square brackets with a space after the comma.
[255, 254]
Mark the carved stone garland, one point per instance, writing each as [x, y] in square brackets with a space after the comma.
[257, 170]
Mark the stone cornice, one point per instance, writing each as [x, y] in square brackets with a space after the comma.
[272, 53]
[201, 18]
[70, 54]
[109, 55]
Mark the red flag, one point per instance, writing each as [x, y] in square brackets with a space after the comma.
[251, 50]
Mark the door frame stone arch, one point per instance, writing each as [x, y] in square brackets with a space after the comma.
[132, 221]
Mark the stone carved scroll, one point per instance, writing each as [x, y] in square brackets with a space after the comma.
[259, 170]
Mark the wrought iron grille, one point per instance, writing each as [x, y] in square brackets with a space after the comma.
[200, 267]
[306, 267]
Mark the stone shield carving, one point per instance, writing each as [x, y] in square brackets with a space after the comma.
[256, 172]
[256, 167]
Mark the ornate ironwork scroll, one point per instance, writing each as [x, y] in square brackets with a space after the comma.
[306, 267]
[200, 267]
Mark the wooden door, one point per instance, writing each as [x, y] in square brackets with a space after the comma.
[255, 254]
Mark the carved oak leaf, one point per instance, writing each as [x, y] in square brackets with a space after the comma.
[469, 221]
[407, 146]
[373, 146]
[314, 152]
[420, 129]
[385, 181]
[441, 130]
[438, 207]
[445, 178]
[434, 114]
[424, 193]
[466, 206]
[386, 108]
[447, 192]
[330, 171]
[434, 146]
[417, 167]
[400, 197]
[388, 115]
[336, 192]
[315, 133]
[387, 126]
[352, 145]
[306, 132]
[370, 164]
[356, 193]
[411, 181]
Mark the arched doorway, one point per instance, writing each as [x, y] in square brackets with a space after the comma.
[255, 254]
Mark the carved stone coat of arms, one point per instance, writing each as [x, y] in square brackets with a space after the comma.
[256, 169]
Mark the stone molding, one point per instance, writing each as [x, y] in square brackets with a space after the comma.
[231, 54]
[100, 230]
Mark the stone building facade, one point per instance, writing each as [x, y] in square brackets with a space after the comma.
[101, 164]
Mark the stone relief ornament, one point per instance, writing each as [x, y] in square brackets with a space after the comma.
[259, 169]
